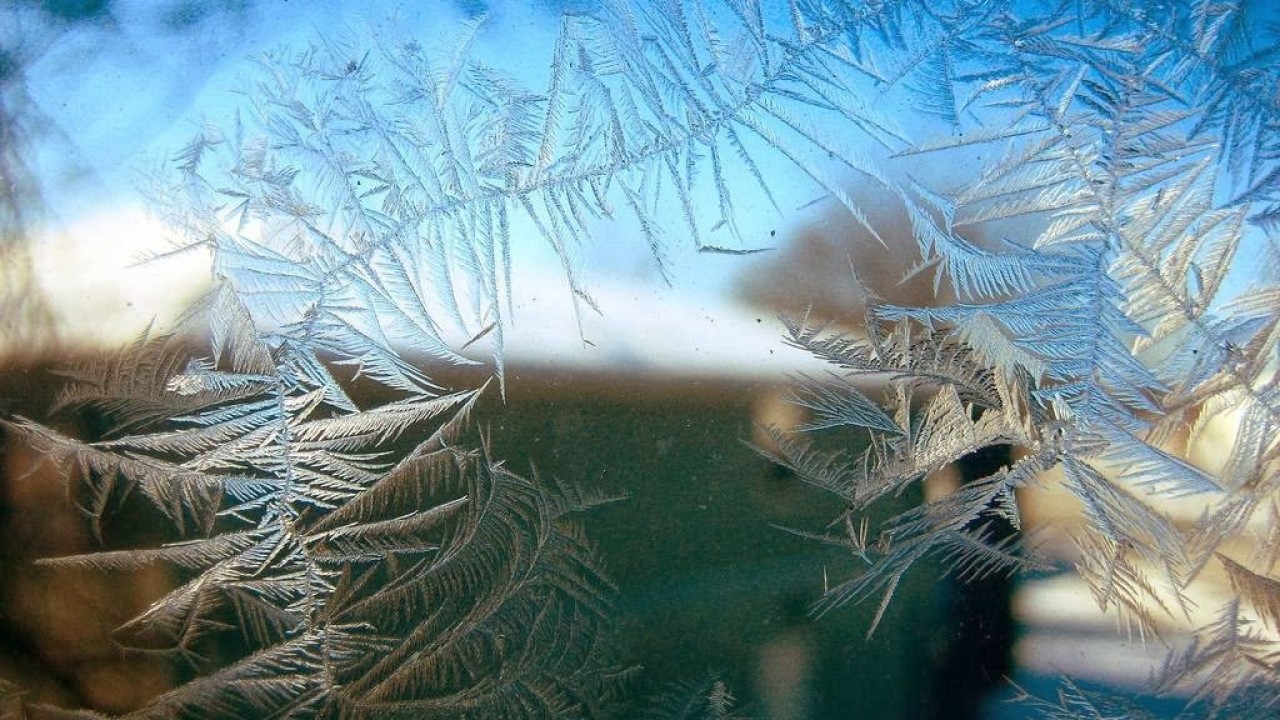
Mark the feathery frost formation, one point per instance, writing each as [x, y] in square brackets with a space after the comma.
[360, 216]
[367, 561]
[1131, 168]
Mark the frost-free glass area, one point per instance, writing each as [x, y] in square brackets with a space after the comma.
[639, 359]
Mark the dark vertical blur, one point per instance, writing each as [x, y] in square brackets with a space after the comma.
[55, 641]
[24, 319]
[974, 648]
[970, 646]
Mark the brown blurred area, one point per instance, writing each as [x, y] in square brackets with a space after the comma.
[814, 269]
[56, 624]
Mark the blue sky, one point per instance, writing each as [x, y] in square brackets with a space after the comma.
[111, 97]
[106, 98]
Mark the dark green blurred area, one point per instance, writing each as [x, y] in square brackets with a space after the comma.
[708, 582]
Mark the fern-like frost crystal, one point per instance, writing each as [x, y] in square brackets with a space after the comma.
[369, 562]
[1094, 180]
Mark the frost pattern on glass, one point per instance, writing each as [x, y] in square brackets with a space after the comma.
[372, 562]
[359, 214]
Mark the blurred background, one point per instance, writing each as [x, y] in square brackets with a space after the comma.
[658, 398]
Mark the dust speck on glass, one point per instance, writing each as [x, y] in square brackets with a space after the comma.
[662, 358]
